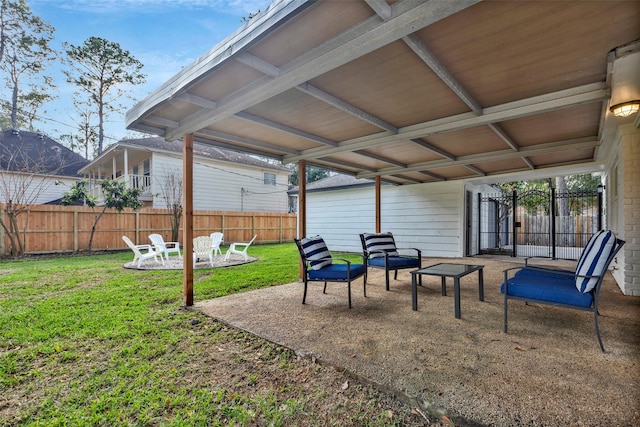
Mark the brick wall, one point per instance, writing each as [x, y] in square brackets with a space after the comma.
[631, 211]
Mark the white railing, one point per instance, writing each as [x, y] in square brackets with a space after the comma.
[143, 182]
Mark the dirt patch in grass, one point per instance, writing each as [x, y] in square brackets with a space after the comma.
[250, 381]
[246, 365]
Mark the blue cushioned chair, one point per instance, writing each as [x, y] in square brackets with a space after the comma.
[319, 266]
[380, 251]
[579, 289]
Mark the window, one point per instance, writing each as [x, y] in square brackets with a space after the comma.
[269, 178]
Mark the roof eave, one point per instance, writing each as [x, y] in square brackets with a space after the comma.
[258, 27]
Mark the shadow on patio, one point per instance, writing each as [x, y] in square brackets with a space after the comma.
[548, 370]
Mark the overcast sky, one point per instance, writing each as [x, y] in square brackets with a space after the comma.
[165, 35]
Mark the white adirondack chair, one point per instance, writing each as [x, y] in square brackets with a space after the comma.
[216, 240]
[235, 248]
[166, 247]
[139, 255]
[202, 249]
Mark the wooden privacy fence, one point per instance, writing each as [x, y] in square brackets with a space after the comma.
[572, 231]
[51, 229]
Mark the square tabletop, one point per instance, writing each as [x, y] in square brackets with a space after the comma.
[449, 270]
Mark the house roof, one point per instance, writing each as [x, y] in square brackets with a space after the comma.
[30, 152]
[202, 151]
[335, 182]
[412, 91]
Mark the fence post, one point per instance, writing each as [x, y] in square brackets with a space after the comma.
[514, 204]
[600, 191]
[137, 222]
[553, 223]
[75, 231]
[2, 236]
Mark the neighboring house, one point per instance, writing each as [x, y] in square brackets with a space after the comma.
[35, 169]
[223, 180]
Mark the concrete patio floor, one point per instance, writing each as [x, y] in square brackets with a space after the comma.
[548, 370]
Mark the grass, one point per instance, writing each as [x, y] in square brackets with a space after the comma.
[87, 342]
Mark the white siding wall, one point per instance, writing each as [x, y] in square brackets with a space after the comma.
[218, 186]
[427, 216]
[339, 216]
[40, 189]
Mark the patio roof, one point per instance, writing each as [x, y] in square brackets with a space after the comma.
[411, 91]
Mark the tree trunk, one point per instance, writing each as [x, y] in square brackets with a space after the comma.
[14, 107]
[561, 188]
[101, 126]
[93, 228]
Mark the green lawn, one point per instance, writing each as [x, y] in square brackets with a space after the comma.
[86, 342]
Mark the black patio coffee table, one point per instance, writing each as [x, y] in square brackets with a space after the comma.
[445, 270]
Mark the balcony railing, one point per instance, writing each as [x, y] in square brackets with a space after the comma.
[143, 182]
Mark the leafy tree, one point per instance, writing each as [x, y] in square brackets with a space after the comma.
[313, 174]
[33, 100]
[100, 68]
[24, 50]
[116, 196]
[15, 17]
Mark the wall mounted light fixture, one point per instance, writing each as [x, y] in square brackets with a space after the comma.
[625, 109]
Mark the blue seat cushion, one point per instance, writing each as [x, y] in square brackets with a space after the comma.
[337, 271]
[547, 286]
[395, 262]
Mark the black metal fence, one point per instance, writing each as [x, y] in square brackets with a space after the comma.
[538, 223]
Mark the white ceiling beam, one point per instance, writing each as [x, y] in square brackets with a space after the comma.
[259, 27]
[434, 149]
[273, 71]
[258, 64]
[503, 136]
[246, 141]
[342, 163]
[594, 92]
[196, 100]
[528, 163]
[165, 123]
[381, 158]
[233, 147]
[475, 170]
[423, 53]
[346, 107]
[408, 178]
[284, 128]
[381, 8]
[433, 175]
[357, 41]
[507, 154]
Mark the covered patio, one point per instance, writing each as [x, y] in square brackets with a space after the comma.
[421, 93]
[548, 370]
[434, 95]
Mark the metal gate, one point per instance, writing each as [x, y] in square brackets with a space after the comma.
[538, 223]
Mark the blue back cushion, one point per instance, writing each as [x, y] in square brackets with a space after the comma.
[380, 242]
[593, 260]
[315, 249]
